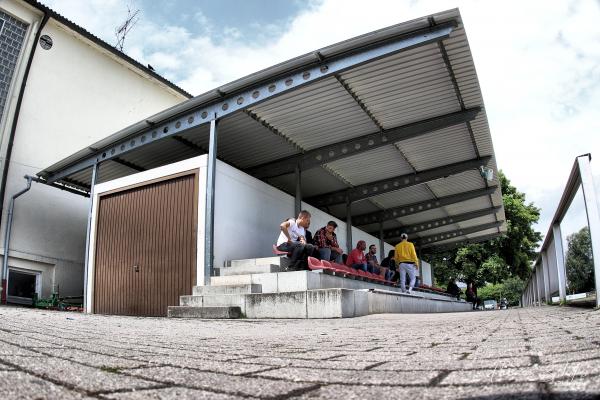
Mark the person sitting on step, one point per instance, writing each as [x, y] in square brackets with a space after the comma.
[374, 264]
[390, 264]
[329, 249]
[356, 258]
[292, 239]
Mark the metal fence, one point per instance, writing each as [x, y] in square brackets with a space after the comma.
[548, 276]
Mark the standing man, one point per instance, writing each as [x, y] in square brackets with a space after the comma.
[407, 261]
[356, 258]
[292, 239]
[329, 249]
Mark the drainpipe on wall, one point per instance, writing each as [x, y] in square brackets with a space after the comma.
[15, 121]
[7, 236]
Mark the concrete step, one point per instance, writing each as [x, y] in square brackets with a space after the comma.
[204, 312]
[250, 269]
[281, 261]
[215, 300]
[228, 289]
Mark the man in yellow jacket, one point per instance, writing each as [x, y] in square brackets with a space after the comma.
[407, 261]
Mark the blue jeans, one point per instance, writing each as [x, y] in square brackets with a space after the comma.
[360, 266]
[329, 255]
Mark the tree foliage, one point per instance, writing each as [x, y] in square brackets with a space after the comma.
[503, 257]
[579, 264]
[511, 288]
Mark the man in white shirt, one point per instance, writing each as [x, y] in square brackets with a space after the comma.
[292, 238]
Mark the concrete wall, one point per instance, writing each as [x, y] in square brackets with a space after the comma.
[426, 273]
[77, 93]
[552, 268]
[248, 213]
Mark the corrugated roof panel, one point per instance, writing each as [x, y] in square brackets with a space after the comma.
[319, 114]
[112, 170]
[477, 221]
[428, 215]
[159, 153]
[314, 181]
[442, 147]
[249, 143]
[478, 203]
[483, 233]
[453, 184]
[370, 166]
[405, 87]
[409, 195]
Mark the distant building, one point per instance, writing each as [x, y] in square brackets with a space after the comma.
[61, 89]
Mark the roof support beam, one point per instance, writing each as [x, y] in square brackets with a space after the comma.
[432, 248]
[372, 189]
[436, 223]
[414, 208]
[322, 155]
[438, 237]
[200, 114]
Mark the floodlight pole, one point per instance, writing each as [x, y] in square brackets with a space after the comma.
[349, 246]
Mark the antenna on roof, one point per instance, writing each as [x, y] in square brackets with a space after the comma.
[122, 30]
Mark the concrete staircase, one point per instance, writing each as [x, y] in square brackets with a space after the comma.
[262, 288]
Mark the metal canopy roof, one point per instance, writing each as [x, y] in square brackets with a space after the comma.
[394, 120]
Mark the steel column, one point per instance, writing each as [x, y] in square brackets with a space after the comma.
[560, 262]
[540, 277]
[593, 217]
[546, 273]
[381, 243]
[349, 245]
[298, 198]
[209, 223]
[88, 237]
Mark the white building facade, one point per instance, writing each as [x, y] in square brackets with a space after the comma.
[76, 91]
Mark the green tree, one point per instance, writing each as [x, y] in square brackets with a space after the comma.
[580, 265]
[511, 288]
[502, 257]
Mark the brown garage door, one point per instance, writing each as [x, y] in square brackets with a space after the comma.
[146, 247]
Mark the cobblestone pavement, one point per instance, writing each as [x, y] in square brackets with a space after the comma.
[548, 353]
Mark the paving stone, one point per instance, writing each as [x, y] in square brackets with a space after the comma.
[237, 385]
[76, 375]
[94, 359]
[19, 385]
[174, 393]
[520, 353]
[495, 392]
[336, 376]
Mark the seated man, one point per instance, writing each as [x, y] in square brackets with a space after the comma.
[453, 289]
[374, 265]
[390, 264]
[329, 249]
[292, 239]
[356, 258]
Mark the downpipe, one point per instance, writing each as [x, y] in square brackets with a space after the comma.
[7, 230]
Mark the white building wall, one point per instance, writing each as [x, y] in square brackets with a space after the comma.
[77, 93]
[425, 273]
[248, 213]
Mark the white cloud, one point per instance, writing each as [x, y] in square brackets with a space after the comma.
[538, 63]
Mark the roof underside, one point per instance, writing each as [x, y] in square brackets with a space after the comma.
[402, 134]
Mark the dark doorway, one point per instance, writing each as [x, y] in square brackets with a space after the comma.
[21, 286]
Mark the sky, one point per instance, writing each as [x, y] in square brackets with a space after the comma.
[538, 64]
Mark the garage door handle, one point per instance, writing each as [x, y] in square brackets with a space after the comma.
[136, 268]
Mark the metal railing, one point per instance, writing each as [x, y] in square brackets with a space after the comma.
[549, 273]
